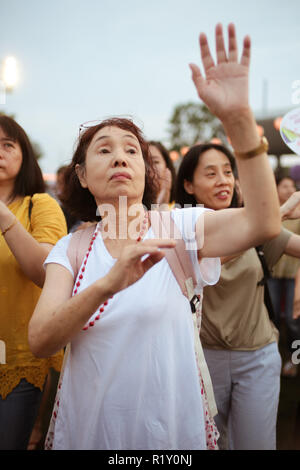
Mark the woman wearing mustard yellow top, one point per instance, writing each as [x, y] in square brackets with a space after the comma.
[31, 222]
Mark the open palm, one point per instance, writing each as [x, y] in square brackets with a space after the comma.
[224, 89]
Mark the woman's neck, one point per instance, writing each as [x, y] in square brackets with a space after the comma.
[6, 193]
[122, 221]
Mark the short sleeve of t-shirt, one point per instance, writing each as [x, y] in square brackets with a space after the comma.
[59, 255]
[274, 248]
[209, 269]
[47, 220]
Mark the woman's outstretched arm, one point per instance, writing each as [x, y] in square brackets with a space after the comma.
[224, 90]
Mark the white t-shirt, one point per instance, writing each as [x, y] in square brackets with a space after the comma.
[131, 380]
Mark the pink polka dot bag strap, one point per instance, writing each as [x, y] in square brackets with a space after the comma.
[180, 262]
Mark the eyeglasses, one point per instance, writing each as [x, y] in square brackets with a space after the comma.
[87, 125]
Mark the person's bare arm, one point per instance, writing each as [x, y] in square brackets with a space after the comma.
[29, 253]
[224, 90]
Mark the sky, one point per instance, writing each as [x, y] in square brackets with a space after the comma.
[82, 60]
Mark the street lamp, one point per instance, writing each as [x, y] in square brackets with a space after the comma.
[8, 77]
[9, 73]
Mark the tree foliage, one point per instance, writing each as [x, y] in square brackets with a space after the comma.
[191, 123]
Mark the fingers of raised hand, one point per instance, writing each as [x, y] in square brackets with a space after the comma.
[232, 44]
[220, 46]
[197, 77]
[222, 56]
[206, 57]
[245, 59]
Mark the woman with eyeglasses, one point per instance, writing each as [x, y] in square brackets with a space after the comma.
[131, 378]
[31, 222]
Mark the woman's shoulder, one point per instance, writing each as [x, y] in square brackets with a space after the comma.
[59, 253]
[63, 243]
[42, 201]
[43, 198]
[47, 219]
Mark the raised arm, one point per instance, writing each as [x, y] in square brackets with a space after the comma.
[224, 89]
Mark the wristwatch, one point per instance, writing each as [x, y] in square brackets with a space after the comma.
[262, 148]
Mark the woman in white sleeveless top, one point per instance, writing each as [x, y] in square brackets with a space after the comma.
[131, 379]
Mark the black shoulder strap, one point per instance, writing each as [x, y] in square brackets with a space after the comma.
[263, 282]
[260, 254]
[30, 209]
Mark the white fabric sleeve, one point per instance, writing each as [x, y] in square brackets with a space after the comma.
[58, 254]
[209, 269]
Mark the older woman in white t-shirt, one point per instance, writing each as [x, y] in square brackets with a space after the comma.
[131, 379]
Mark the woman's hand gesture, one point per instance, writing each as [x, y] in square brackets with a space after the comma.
[224, 89]
[135, 261]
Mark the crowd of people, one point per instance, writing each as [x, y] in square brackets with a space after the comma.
[88, 288]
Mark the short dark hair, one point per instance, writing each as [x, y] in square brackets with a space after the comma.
[29, 180]
[169, 163]
[280, 178]
[78, 200]
[187, 169]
